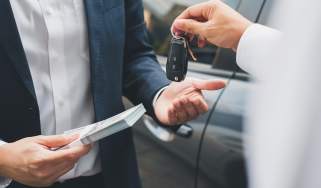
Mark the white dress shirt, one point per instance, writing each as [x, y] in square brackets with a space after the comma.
[54, 37]
[283, 129]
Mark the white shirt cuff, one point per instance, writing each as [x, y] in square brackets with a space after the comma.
[255, 46]
[4, 182]
[157, 95]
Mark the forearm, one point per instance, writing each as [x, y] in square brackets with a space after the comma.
[143, 76]
[144, 79]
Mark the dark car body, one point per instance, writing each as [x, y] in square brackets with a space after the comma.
[208, 151]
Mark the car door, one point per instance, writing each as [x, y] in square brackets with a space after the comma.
[221, 159]
[167, 158]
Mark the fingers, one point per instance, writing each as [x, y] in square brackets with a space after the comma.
[192, 28]
[201, 42]
[186, 102]
[189, 26]
[56, 140]
[172, 116]
[71, 154]
[51, 175]
[59, 167]
[181, 113]
[199, 11]
[199, 104]
[194, 16]
[188, 108]
[62, 171]
[208, 84]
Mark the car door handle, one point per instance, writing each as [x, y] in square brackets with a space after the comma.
[185, 131]
[159, 132]
[167, 134]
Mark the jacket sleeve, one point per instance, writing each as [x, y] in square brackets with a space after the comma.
[254, 47]
[143, 76]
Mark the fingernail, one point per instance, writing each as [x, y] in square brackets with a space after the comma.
[178, 24]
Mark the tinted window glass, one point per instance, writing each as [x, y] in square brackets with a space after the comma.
[159, 15]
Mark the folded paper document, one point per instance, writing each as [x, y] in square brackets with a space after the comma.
[94, 132]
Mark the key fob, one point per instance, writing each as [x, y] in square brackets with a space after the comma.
[177, 61]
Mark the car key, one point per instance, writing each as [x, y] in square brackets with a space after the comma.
[177, 61]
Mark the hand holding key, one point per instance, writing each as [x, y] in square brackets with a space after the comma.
[213, 22]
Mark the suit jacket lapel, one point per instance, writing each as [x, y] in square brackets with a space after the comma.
[99, 57]
[11, 43]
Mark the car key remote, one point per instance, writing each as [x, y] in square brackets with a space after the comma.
[177, 61]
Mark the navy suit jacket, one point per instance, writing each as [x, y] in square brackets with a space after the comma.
[122, 64]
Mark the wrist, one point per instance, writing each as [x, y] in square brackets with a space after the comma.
[158, 94]
[2, 158]
[244, 25]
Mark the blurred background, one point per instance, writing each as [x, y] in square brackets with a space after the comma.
[208, 151]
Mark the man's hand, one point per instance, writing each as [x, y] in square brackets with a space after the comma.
[31, 162]
[183, 101]
[213, 22]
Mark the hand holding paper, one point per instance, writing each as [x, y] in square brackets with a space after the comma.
[41, 160]
[31, 162]
[92, 133]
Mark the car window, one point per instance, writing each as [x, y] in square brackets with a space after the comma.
[160, 14]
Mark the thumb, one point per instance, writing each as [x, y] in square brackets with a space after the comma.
[189, 26]
[208, 84]
[56, 140]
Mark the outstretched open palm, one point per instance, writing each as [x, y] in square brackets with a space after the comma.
[183, 101]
